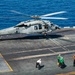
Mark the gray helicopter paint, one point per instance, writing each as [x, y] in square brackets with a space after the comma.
[28, 27]
[10, 30]
[38, 25]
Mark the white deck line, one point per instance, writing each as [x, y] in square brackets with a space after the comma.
[41, 55]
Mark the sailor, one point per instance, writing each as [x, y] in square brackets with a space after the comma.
[58, 58]
[38, 64]
[60, 61]
[74, 60]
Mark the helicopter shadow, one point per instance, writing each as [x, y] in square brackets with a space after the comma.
[30, 37]
[52, 36]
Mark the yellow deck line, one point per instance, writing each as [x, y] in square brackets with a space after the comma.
[7, 64]
[69, 73]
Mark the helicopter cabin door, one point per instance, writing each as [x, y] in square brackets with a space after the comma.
[38, 28]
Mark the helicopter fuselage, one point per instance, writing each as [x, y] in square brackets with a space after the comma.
[31, 26]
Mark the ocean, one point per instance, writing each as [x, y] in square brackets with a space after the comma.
[36, 7]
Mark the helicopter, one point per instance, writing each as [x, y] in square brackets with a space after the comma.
[38, 24]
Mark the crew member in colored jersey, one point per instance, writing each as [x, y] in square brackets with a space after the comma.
[74, 60]
[60, 61]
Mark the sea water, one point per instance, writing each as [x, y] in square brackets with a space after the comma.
[36, 7]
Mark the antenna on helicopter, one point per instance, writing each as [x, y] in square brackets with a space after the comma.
[46, 16]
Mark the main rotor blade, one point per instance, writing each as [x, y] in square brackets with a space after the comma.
[55, 13]
[14, 11]
[54, 18]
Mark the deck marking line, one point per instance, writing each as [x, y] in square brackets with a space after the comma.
[34, 56]
[33, 50]
[69, 73]
[6, 63]
[57, 43]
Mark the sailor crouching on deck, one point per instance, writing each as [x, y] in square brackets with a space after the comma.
[38, 64]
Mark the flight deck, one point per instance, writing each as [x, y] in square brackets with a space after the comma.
[19, 56]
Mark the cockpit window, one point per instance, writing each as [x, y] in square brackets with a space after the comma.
[40, 26]
[35, 27]
[52, 24]
[22, 25]
[46, 26]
